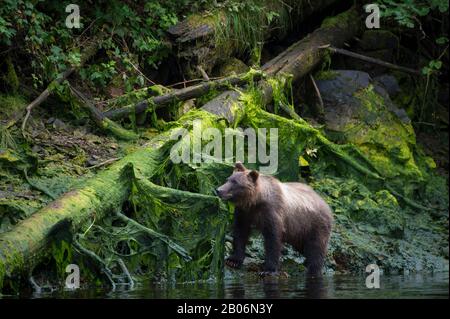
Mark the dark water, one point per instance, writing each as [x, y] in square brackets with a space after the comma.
[249, 286]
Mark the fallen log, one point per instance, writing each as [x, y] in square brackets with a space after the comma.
[298, 60]
[210, 38]
[103, 122]
[301, 57]
[183, 94]
[89, 51]
[27, 243]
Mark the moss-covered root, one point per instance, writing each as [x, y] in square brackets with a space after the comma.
[118, 131]
[103, 122]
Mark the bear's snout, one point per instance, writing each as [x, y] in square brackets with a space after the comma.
[219, 192]
[222, 193]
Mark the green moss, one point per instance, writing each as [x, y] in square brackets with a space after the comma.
[326, 75]
[340, 20]
[176, 200]
[10, 105]
[10, 78]
[118, 131]
[232, 66]
[387, 142]
[197, 20]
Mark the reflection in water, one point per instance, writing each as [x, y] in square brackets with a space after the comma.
[271, 287]
[249, 285]
[315, 288]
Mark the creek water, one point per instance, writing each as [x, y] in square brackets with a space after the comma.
[418, 285]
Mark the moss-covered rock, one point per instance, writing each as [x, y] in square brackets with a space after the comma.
[360, 112]
[232, 66]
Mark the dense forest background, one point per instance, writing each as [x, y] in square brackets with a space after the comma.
[85, 114]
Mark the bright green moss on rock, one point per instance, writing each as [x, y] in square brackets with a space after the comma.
[326, 75]
[383, 137]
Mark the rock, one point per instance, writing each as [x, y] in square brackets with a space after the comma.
[231, 66]
[359, 111]
[222, 105]
[59, 125]
[389, 83]
[378, 39]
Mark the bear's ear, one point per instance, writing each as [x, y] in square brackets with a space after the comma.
[239, 167]
[253, 176]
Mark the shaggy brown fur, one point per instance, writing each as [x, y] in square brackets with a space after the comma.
[283, 212]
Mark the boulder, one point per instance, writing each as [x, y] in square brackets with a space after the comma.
[358, 110]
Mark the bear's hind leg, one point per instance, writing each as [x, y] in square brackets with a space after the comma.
[314, 252]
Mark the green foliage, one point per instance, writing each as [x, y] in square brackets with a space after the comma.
[99, 74]
[245, 24]
[432, 67]
[408, 12]
[38, 29]
[62, 254]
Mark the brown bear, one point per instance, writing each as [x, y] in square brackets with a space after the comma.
[283, 212]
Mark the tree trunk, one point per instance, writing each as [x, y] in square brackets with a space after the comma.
[299, 59]
[208, 39]
[181, 95]
[103, 122]
[26, 244]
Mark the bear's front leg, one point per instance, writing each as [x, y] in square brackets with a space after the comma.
[272, 233]
[241, 232]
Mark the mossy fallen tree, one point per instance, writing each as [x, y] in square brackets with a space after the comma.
[298, 60]
[301, 57]
[22, 248]
[175, 200]
[208, 39]
[101, 120]
[182, 94]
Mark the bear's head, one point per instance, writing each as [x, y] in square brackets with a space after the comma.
[240, 187]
